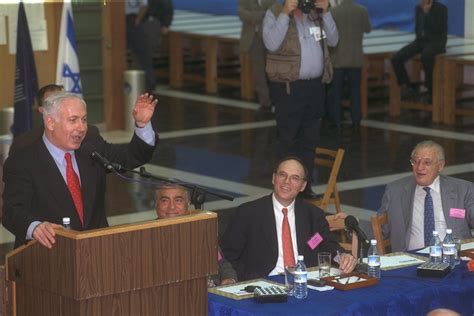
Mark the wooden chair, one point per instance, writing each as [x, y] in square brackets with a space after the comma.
[377, 222]
[331, 159]
[3, 291]
[336, 223]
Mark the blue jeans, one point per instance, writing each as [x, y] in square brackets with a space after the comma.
[353, 76]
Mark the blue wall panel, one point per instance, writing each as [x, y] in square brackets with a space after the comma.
[398, 14]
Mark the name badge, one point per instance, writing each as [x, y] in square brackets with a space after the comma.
[317, 33]
[314, 241]
[457, 212]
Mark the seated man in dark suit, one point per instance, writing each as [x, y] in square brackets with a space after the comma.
[56, 177]
[27, 138]
[426, 201]
[431, 19]
[173, 200]
[268, 234]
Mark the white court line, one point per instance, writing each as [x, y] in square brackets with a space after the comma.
[165, 90]
[418, 130]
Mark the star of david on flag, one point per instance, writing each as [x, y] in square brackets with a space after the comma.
[67, 71]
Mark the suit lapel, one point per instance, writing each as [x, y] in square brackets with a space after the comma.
[55, 182]
[268, 225]
[302, 228]
[407, 204]
[88, 184]
[448, 198]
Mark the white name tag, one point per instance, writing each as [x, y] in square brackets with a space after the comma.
[316, 32]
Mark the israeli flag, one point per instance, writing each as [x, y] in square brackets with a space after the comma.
[67, 70]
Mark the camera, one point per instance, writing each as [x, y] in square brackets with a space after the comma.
[306, 5]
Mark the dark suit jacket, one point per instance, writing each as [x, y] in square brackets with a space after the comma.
[251, 15]
[434, 24]
[36, 191]
[398, 200]
[250, 241]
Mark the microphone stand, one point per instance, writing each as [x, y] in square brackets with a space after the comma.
[361, 267]
[198, 195]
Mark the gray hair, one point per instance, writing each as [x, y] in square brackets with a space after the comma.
[169, 186]
[53, 103]
[429, 144]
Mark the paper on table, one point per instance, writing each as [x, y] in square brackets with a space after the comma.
[397, 261]
[469, 245]
[321, 288]
[238, 289]
[425, 251]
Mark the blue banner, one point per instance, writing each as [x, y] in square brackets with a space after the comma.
[26, 82]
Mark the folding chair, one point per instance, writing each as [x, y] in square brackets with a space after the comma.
[377, 222]
[331, 159]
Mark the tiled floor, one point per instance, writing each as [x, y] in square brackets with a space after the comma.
[224, 144]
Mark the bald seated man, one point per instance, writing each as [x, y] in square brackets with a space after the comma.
[173, 200]
[267, 235]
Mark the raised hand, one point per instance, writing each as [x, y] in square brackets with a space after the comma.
[143, 109]
[290, 6]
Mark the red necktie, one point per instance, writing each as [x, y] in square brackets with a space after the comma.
[288, 254]
[74, 187]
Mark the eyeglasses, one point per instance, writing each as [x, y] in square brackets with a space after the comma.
[423, 162]
[295, 179]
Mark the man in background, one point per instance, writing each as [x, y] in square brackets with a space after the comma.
[352, 21]
[295, 66]
[251, 12]
[173, 200]
[135, 13]
[426, 201]
[431, 35]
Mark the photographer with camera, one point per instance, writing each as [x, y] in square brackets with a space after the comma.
[296, 35]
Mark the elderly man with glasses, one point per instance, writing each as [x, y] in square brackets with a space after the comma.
[426, 201]
[267, 235]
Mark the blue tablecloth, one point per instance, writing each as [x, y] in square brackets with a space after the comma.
[399, 292]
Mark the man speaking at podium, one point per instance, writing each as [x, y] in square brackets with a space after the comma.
[55, 176]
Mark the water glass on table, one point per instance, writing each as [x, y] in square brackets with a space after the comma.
[324, 264]
[458, 243]
[289, 280]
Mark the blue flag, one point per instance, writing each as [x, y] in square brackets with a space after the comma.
[67, 69]
[26, 82]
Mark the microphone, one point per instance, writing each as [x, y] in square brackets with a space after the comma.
[352, 223]
[104, 162]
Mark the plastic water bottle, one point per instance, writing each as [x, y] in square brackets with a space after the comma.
[301, 279]
[449, 248]
[436, 248]
[66, 223]
[373, 260]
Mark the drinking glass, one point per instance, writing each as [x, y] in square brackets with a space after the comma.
[324, 264]
[289, 280]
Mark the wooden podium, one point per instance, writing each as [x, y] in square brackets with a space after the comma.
[152, 268]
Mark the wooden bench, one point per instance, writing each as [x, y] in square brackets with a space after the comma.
[212, 31]
[456, 46]
[451, 65]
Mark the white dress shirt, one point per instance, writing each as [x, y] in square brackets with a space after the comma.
[277, 209]
[418, 220]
